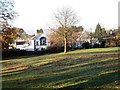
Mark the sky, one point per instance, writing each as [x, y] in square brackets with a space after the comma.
[37, 14]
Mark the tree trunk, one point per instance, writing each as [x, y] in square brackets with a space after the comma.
[65, 43]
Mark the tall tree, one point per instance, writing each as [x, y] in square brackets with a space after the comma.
[65, 18]
[7, 14]
[7, 37]
[98, 32]
[58, 41]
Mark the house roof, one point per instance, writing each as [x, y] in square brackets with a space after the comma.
[84, 34]
[38, 36]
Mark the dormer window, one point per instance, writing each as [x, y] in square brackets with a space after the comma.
[42, 41]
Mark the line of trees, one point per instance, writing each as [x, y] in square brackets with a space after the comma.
[100, 32]
[66, 30]
[63, 34]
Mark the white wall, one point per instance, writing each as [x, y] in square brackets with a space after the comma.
[30, 47]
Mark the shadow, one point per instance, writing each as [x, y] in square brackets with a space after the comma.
[89, 72]
[91, 83]
[14, 54]
[98, 81]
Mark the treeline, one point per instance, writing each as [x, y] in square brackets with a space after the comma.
[64, 34]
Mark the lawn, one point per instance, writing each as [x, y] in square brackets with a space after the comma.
[85, 69]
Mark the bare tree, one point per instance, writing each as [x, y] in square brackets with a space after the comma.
[65, 18]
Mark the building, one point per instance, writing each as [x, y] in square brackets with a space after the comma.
[83, 36]
[38, 42]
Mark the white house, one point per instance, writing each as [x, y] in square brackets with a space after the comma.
[38, 43]
[83, 36]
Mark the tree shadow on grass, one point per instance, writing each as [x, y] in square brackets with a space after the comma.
[92, 75]
[97, 82]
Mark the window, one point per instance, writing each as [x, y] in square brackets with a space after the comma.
[37, 43]
[42, 41]
[20, 43]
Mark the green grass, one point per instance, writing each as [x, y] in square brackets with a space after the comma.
[85, 69]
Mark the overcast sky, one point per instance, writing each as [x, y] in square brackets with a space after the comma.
[35, 14]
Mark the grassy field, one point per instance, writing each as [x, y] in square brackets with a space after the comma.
[85, 69]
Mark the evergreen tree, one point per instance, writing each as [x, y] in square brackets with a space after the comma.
[104, 33]
[98, 32]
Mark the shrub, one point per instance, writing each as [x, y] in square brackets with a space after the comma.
[86, 45]
[102, 45]
[55, 48]
[96, 45]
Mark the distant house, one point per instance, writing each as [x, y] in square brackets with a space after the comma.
[38, 42]
[110, 40]
[83, 36]
[19, 42]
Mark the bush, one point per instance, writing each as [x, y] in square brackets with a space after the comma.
[102, 45]
[96, 45]
[55, 48]
[86, 45]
